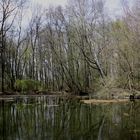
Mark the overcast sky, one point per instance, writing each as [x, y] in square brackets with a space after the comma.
[113, 4]
[46, 3]
[114, 7]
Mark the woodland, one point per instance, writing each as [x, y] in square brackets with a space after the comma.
[76, 48]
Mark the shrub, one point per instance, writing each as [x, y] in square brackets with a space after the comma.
[27, 85]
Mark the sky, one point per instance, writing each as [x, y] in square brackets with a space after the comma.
[46, 3]
[113, 7]
[112, 4]
[28, 12]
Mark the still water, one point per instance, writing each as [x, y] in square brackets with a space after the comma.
[59, 118]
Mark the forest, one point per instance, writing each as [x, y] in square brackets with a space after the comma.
[76, 48]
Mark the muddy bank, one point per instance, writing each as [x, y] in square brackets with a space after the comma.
[32, 93]
[103, 94]
[94, 101]
[115, 93]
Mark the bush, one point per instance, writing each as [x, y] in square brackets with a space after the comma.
[27, 85]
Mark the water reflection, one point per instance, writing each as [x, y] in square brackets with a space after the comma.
[55, 118]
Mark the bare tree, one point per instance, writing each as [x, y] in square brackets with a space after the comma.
[8, 13]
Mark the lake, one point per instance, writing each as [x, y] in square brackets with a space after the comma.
[61, 118]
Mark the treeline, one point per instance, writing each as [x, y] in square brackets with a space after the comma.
[76, 48]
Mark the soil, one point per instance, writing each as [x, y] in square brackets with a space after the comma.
[94, 101]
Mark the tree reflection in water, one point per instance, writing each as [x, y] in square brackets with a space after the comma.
[58, 118]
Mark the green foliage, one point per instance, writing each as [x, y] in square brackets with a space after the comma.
[27, 85]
